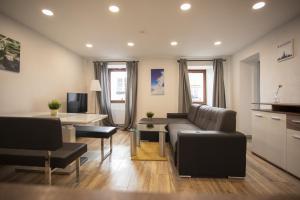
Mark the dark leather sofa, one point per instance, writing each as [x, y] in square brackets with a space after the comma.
[26, 141]
[205, 142]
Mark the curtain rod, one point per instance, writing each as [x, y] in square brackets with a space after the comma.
[201, 60]
[111, 61]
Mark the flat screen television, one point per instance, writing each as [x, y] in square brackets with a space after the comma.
[77, 102]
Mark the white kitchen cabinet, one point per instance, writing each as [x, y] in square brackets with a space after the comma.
[276, 135]
[293, 145]
[259, 133]
[276, 139]
[269, 136]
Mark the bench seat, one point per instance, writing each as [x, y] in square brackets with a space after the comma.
[60, 158]
[95, 131]
[102, 132]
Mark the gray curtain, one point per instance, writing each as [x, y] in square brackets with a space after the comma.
[219, 87]
[131, 94]
[103, 97]
[185, 99]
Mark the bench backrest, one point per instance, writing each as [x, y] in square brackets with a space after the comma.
[30, 133]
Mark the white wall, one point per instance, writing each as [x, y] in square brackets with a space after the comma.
[159, 104]
[272, 73]
[48, 71]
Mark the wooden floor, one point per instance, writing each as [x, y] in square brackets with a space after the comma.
[120, 173]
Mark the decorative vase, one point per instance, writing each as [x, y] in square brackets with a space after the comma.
[54, 112]
[276, 99]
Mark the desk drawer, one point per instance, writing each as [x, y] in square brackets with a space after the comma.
[293, 122]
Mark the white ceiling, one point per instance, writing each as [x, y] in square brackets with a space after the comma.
[77, 22]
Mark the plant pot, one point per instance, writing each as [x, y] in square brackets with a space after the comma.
[54, 112]
[150, 125]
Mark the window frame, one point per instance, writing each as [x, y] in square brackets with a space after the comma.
[203, 71]
[110, 70]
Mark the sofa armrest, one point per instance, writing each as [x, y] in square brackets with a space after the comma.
[177, 115]
[211, 153]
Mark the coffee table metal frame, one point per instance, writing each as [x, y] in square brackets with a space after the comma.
[135, 136]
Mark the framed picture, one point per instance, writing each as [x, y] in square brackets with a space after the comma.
[157, 82]
[9, 54]
[285, 50]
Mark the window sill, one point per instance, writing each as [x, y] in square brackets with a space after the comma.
[117, 101]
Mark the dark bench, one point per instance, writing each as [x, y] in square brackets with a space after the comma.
[103, 132]
[37, 142]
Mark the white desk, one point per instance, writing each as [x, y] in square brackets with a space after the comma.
[68, 121]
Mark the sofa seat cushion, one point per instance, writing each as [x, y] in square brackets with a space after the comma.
[175, 128]
[59, 158]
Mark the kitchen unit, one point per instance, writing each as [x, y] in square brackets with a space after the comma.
[276, 135]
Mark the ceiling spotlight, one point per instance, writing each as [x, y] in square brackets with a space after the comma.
[258, 5]
[217, 43]
[185, 6]
[174, 43]
[88, 45]
[114, 9]
[130, 44]
[47, 12]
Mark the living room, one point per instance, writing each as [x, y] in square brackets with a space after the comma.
[174, 99]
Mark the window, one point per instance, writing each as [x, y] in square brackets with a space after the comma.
[198, 85]
[118, 79]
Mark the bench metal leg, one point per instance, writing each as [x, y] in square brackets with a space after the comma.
[48, 168]
[104, 156]
[77, 170]
[133, 141]
[110, 144]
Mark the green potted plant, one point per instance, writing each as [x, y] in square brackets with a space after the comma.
[150, 115]
[54, 105]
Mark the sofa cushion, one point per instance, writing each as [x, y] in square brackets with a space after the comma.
[175, 128]
[193, 112]
[218, 119]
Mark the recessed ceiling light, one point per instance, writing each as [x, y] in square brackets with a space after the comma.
[47, 12]
[217, 43]
[114, 9]
[185, 6]
[130, 44]
[174, 43]
[88, 45]
[258, 5]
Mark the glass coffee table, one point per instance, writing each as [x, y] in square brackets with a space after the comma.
[135, 137]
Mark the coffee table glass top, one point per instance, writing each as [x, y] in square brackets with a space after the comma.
[152, 127]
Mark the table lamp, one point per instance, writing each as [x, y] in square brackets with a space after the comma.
[95, 87]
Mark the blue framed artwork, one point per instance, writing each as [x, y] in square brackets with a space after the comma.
[157, 82]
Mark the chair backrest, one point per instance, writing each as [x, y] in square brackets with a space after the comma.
[30, 133]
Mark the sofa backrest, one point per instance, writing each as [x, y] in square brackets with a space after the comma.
[193, 112]
[218, 119]
[30, 133]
